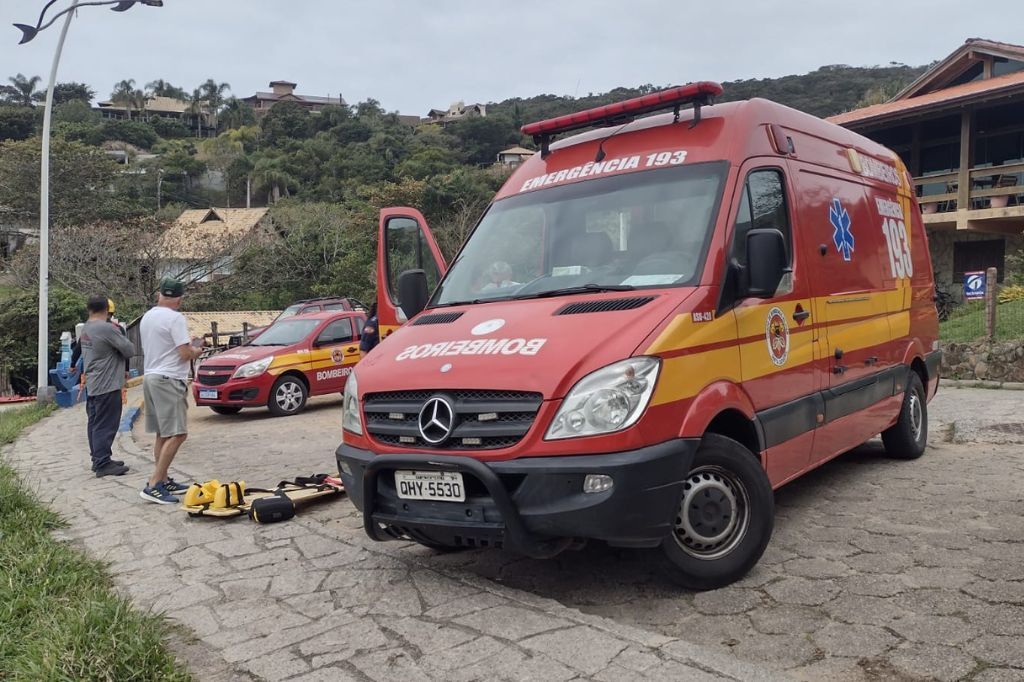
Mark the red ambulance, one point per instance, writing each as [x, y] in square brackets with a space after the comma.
[656, 323]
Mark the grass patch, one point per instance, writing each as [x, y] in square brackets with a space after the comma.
[967, 322]
[59, 617]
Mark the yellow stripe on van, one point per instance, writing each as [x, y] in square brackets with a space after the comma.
[684, 376]
[683, 332]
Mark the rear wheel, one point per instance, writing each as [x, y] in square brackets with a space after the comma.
[724, 519]
[908, 437]
[222, 409]
[287, 397]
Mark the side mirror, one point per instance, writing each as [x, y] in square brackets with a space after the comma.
[412, 292]
[767, 262]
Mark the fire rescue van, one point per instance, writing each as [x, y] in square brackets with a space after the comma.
[655, 324]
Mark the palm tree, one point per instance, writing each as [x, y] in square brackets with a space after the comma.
[161, 88]
[139, 100]
[22, 90]
[237, 113]
[215, 95]
[270, 174]
[124, 95]
[197, 107]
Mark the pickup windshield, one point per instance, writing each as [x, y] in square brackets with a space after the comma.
[645, 229]
[285, 333]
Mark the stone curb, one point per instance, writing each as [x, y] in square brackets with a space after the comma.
[668, 648]
[977, 383]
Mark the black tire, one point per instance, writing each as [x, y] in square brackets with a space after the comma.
[287, 396]
[908, 437]
[221, 409]
[726, 486]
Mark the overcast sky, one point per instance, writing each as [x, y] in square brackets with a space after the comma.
[414, 55]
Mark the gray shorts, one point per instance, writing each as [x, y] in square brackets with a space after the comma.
[166, 405]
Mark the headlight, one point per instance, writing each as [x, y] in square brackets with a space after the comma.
[252, 369]
[351, 420]
[608, 400]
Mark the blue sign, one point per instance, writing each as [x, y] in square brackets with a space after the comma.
[974, 285]
[842, 236]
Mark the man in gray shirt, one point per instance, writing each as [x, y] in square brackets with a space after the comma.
[105, 348]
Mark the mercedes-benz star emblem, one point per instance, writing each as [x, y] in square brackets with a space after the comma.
[436, 420]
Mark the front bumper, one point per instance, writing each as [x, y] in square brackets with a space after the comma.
[534, 505]
[235, 392]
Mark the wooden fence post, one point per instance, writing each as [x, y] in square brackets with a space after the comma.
[990, 304]
[213, 334]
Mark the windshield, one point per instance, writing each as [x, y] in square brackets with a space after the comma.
[636, 230]
[285, 333]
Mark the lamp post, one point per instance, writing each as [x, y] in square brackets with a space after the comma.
[28, 33]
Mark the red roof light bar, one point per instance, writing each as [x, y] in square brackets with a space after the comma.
[697, 94]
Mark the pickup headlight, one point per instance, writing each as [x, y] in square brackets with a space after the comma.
[351, 420]
[252, 369]
[608, 400]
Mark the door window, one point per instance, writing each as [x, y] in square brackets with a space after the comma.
[407, 249]
[339, 331]
[763, 205]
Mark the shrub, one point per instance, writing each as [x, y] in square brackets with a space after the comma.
[1014, 292]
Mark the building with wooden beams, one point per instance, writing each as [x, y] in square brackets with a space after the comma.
[960, 130]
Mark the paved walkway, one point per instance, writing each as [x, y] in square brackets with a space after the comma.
[312, 598]
[878, 569]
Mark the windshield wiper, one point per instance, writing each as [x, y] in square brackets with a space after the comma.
[473, 302]
[582, 289]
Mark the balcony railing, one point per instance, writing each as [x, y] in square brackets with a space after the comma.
[989, 187]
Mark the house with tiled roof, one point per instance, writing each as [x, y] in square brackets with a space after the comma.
[284, 91]
[202, 244]
[959, 128]
[456, 111]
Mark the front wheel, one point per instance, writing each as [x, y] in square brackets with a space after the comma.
[221, 409]
[287, 397]
[908, 437]
[724, 519]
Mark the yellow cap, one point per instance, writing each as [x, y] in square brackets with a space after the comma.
[110, 306]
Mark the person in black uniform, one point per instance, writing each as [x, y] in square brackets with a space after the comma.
[370, 335]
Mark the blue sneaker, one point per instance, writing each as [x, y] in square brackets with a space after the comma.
[158, 493]
[175, 487]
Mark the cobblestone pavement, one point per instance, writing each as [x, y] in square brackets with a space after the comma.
[878, 569]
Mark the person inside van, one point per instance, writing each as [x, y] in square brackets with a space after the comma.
[499, 276]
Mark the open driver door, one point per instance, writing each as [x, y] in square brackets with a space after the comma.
[404, 244]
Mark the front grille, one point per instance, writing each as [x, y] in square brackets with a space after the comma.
[605, 305]
[213, 380]
[217, 368]
[393, 418]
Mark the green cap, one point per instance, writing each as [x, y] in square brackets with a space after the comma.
[171, 288]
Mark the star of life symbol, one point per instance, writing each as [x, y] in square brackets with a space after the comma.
[841, 235]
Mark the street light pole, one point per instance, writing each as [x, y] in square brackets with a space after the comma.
[42, 378]
[43, 393]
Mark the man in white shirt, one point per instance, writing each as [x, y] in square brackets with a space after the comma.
[168, 351]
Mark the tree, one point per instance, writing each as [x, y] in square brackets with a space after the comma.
[18, 320]
[197, 109]
[286, 121]
[482, 137]
[124, 94]
[214, 93]
[236, 114]
[81, 178]
[16, 123]
[64, 93]
[161, 88]
[22, 91]
[270, 175]
[220, 154]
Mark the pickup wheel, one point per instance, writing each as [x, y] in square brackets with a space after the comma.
[221, 409]
[287, 396]
[908, 437]
[724, 519]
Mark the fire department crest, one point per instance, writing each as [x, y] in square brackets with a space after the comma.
[776, 333]
[338, 355]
